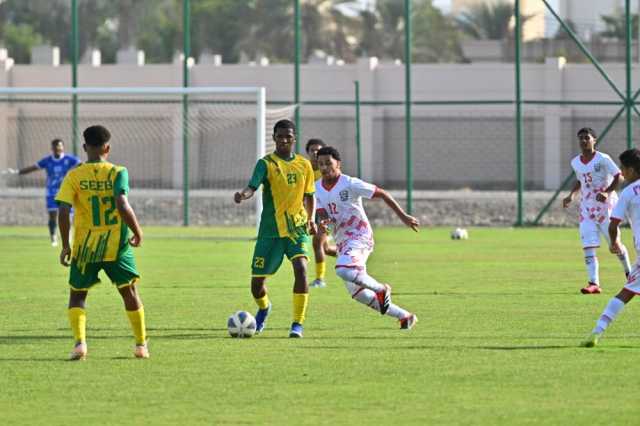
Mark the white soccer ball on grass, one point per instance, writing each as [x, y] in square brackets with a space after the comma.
[459, 234]
[241, 324]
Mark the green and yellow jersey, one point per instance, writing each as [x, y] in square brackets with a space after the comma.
[284, 184]
[317, 174]
[99, 232]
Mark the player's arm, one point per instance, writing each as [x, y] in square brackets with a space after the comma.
[614, 234]
[309, 201]
[64, 223]
[129, 217]
[408, 220]
[617, 180]
[27, 170]
[323, 220]
[258, 176]
[569, 198]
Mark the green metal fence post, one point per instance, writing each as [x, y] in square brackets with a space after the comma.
[519, 135]
[628, 101]
[296, 70]
[186, 50]
[75, 48]
[358, 143]
[407, 104]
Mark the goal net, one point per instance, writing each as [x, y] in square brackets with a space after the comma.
[187, 150]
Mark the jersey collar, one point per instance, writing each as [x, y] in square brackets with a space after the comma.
[328, 188]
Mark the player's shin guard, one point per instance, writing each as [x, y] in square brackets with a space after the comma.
[321, 268]
[78, 322]
[623, 257]
[300, 302]
[136, 318]
[591, 262]
[614, 307]
[359, 277]
[368, 298]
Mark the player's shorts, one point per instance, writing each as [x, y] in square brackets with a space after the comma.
[633, 282]
[269, 253]
[52, 204]
[353, 257]
[121, 272]
[590, 233]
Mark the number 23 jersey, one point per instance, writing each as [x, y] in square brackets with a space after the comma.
[595, 176]
[343, 204]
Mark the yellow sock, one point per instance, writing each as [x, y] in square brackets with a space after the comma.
[263, 302]
[136, 318]
[78, 321]
[300, 302]
[321, 268]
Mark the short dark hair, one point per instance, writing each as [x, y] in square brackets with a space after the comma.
[587, 130]
[631, 158]
[329, 150]
[56, 141]
[312, 142]
[96, 135]
[284, 124]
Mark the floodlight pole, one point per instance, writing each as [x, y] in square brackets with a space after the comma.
[186, 50]
[407, 104]
[74, 74]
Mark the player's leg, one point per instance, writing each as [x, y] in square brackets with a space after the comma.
[52, 211]
[321, 265]
[351, 267]
[369, 298]
[298, 254]
[590, 237]
[623, 257]
[328, 248]
[612, 310]
[124, 275]
[267, 258]
[80, 281]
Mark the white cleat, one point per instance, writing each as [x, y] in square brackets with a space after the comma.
[141, 351]
[318, 283]
[79, 352]
[407, 323]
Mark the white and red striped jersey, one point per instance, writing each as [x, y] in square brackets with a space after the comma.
[343, 204]
[628, 208]
[595, 176]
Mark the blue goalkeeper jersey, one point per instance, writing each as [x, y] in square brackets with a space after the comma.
[56, 169]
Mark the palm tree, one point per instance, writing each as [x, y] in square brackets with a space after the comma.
[488, 21]
[616, 26]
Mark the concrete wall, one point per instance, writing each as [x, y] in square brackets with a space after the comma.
[454, 146]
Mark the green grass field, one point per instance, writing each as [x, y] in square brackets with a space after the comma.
[501, 319]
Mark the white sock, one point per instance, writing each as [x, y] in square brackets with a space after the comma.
[368, 298]
[591, 261]
[360, 278]
[624, 260]
[614, 307]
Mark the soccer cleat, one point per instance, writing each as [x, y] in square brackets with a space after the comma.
[384, 298]
[54, 241]
[141, 351]
[318, 283]
[261, 318]
[79, 352]
[592, 340]
[591, 288]
[296, 330]
[408, 322]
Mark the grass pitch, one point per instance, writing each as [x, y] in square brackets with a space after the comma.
[500, 315]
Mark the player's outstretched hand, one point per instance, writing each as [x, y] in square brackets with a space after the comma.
[135, 240]
[323, 226]
[566, 201]
[10, 171]
[602, 197]
[65, 256]
[411, 222]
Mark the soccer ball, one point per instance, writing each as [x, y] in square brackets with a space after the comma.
[241, 324]
[459, 234]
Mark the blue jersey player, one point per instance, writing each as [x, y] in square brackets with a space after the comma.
[56, 166]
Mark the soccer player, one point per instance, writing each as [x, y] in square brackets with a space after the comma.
[321, 246]
[628, 207]
[288, 206]
[598, 177]
[98, 190]
[56, 166]
[340, 206]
